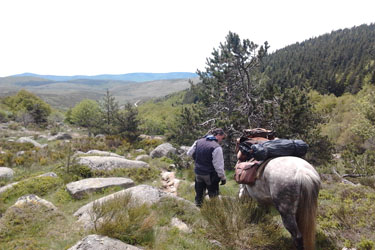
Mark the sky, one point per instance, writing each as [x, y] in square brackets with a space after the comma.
[92, 37]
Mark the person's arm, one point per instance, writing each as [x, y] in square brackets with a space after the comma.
[191, 150]
[218, 162]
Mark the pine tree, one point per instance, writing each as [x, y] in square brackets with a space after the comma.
[109, 111]
[188, 126]
[128, 122]
[230, 88]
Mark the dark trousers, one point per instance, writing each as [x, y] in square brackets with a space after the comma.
[203, 183]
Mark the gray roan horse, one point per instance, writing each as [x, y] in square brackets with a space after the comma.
[292, 185]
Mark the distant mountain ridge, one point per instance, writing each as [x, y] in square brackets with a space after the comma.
[130, 77]
[65, 94]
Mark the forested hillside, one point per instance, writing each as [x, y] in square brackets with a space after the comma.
[339, 62]
[279, 95]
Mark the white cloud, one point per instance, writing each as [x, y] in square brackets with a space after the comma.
[118, 36]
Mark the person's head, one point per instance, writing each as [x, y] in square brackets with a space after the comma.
[219, 134]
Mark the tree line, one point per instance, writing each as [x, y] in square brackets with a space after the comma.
[98, 117]
[336, 63]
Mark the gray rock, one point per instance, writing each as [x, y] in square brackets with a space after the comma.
[143, 158]
[163, 150]
[143, 136]
[43, 137]
[109, 162]
[34, 200]
[29, 140]
[50, 174]
[140, 150]
[180, 225]
[78, 188]
[183, 149]
[216, 243]
[141, 194]
[102, 153]
[60, 136]
[158, 137]
[6, 173]
[20, 153]
[97, 152]
[150, 137]
[99, 242]
[6, 187]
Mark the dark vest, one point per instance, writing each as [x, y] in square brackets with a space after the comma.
[203, 156]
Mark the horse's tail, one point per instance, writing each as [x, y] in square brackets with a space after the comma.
[307, 207]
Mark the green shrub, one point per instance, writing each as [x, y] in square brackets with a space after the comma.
[172, 239]
[167, 208]
[38, 185]
[159, 163]
[323, 241]
[7, 159]
[118, 219]
[3, 116]
[186, 190]
[149, 144]
[166, 160]
[345, 210]
[368, 181]
[62, 196]
[87, 143]
[16, 146]
[241, 224]
[35, 227]
[366, 245]
[14, 126]
[27, 103]
[82, 171]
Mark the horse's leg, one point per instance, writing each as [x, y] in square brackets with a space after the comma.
[290, 223]
[287, 207]
[242, 193]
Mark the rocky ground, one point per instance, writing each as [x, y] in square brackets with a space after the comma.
[93, 159]
[65, 191]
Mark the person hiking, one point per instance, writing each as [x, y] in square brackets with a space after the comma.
[209, 164]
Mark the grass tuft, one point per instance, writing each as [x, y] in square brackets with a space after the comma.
[119, 218]
[241, 224]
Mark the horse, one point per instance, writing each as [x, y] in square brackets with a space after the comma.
[292, 186]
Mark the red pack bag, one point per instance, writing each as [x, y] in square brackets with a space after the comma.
[246, 172]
